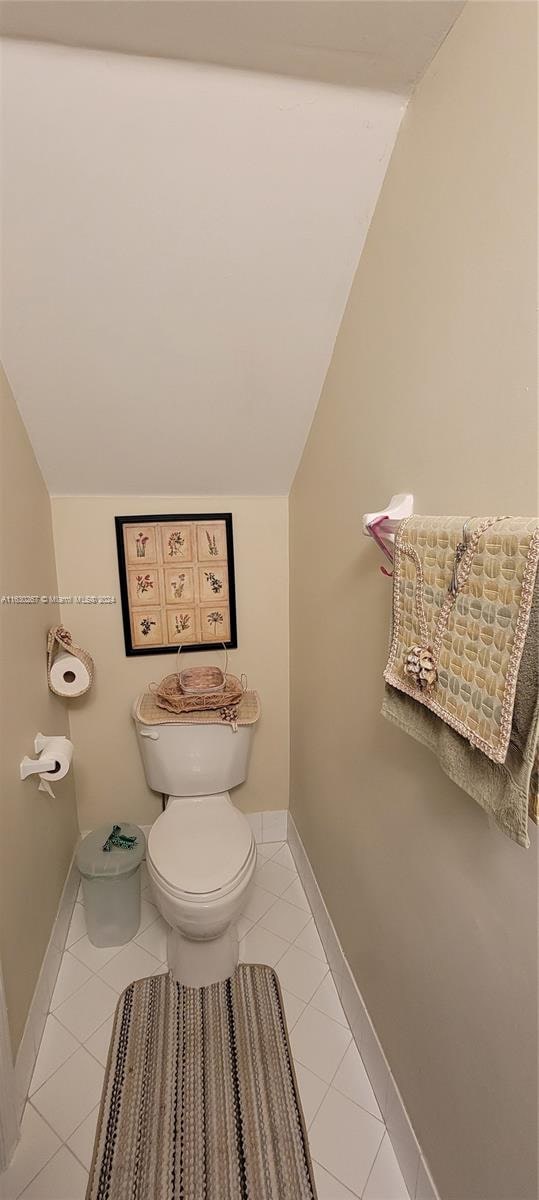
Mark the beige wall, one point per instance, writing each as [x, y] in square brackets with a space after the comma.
[37, 833]
[109, 776]
[432, 390]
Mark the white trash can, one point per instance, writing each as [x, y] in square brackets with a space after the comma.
[111, 885]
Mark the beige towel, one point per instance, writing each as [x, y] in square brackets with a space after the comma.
[508, 790]
[475, 641]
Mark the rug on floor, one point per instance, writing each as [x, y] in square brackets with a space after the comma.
[200, 1100]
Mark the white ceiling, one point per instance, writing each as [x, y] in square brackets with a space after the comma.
[179, 242]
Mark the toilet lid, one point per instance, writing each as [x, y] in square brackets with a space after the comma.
[200, 843]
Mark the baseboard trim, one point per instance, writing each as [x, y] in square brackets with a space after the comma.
[411, 1160]
[9, 1116]
[39, 1008]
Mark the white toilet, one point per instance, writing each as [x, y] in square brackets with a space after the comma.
[201, 853]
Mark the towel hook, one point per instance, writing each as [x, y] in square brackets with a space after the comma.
[382, 526]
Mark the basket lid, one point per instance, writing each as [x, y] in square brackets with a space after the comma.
[201, 681]
[95, 863]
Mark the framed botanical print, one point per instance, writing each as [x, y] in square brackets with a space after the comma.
[177, 582]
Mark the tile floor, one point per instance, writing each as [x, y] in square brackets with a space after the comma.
[352, 1153]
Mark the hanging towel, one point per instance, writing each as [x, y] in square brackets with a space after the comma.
[457, 650]
[508, 790]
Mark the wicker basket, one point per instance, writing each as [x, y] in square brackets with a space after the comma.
[202, 681]
[169, 695]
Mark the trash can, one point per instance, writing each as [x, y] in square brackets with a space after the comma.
[111, 883]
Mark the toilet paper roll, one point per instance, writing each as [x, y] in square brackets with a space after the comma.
[54, 749]
[69, 676]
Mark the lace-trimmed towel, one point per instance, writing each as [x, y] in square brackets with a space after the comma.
[507, 790]
[478, 637]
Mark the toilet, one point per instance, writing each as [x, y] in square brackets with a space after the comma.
[201, 853]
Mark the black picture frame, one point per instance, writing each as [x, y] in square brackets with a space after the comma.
[125, 567]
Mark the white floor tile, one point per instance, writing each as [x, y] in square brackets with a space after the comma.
[77, 927]
[84, 1012]
[98, 1044]
[80, 894]
[329, 1188]
[257, 904]
[131, 963]
[296, 895]
[71, 976]
[261, 946]
[82, 1140]
[312, 1091]
[345, 1140]
[274, 878]
[154, 939]
[37, 1145]
[284, 858]
[284, 919]
[352, 1080]
[326, 1000]
[309, 940]
[268, 849]
[57, 1045]
[319, 1043]
[70, 1094]
[300, 973]
[293, 1008]
[62, 1179]
[385, 1181]
[93, 957]
[148, 913]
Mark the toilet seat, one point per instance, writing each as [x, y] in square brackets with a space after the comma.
[200, 848]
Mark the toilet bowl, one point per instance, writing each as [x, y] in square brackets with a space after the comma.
[201, 853]
[201, 858]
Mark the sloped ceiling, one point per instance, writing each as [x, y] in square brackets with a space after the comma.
[179, 238]
[381, 44]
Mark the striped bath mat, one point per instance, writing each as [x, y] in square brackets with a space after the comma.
[200, 1100]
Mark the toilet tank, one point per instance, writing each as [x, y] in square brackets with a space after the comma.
[194, 760]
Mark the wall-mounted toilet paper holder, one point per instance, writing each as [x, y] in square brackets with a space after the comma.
[35, 766]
